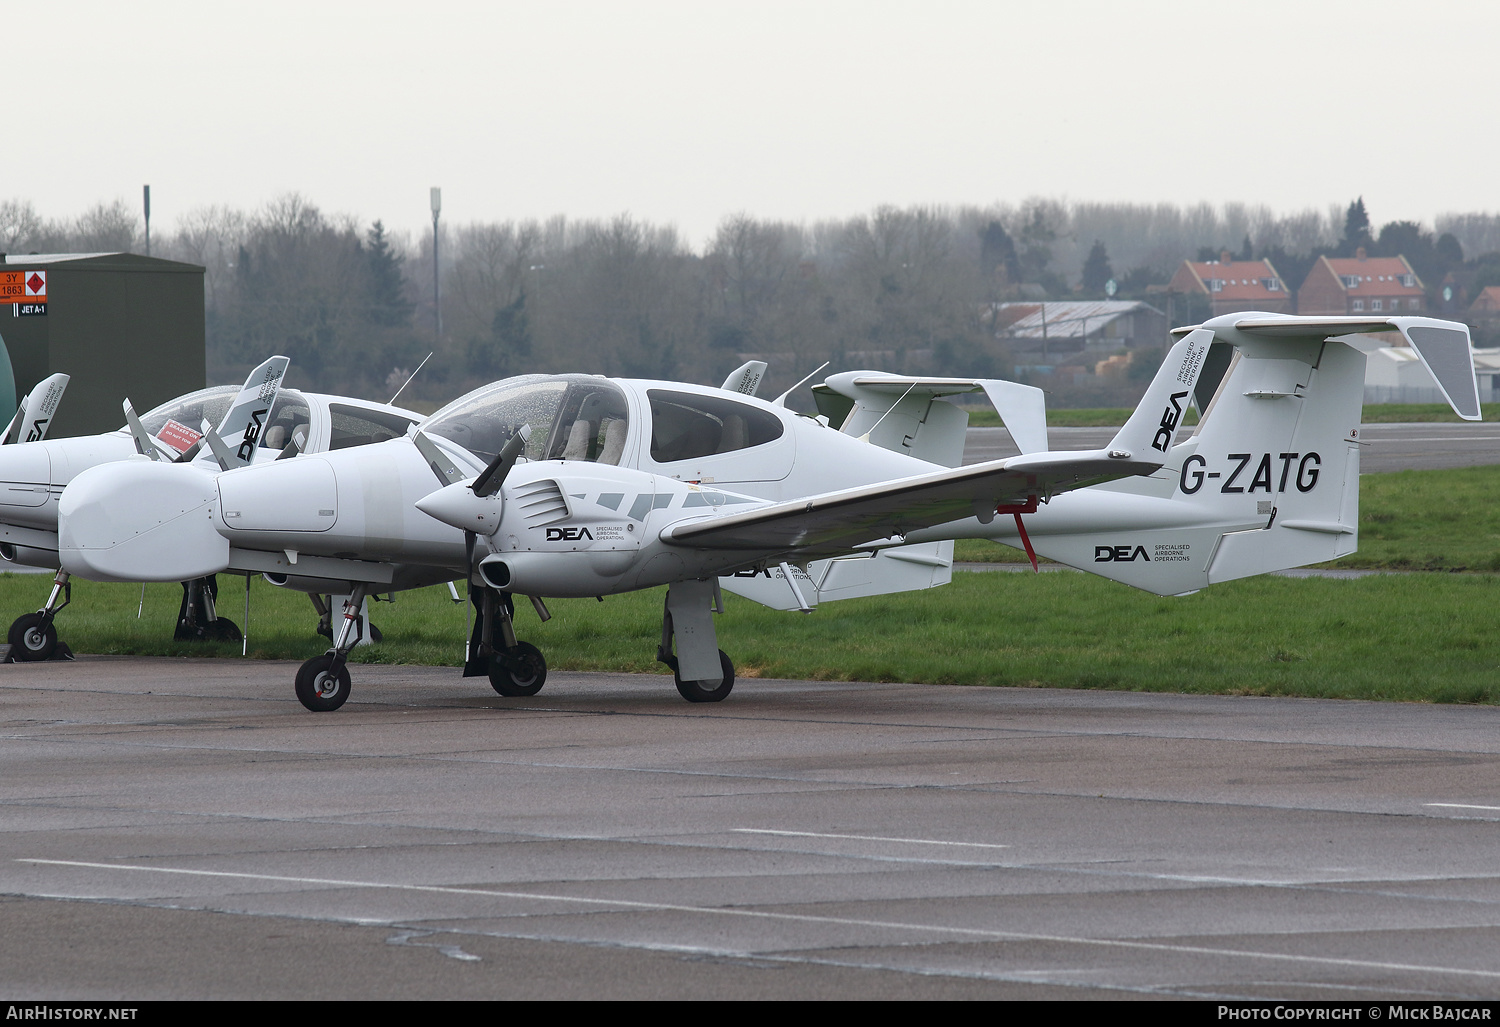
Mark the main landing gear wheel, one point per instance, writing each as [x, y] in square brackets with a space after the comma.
[320, 689]
[521, 671]
[706, 691]
[33, 638]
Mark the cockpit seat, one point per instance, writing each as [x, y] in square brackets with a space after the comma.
[614, 440]
[579, 437]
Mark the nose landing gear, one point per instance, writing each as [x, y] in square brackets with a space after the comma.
[323, 681]
[33, 636]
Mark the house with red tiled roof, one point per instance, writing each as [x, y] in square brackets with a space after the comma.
[1486, 305]
[1233, 285]
[1361, 284]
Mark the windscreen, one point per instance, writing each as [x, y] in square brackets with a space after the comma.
[572, 417]
[193, 409]
[360, 426]
[289, 413]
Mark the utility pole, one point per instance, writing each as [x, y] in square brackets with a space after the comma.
[148, 220]
[437, 293]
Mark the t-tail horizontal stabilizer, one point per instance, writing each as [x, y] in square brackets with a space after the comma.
[908, 415]
[1442, 346]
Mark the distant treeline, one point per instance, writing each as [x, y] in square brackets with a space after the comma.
[897, 289]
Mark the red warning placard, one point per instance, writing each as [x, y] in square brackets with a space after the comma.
[25, 291]
[179, 436]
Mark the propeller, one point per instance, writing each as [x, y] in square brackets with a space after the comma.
[217, 447]
[138, 432]
[485, 485]
[294, 447]
[493, 476]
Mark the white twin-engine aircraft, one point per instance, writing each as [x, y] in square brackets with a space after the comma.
[256, 421]
[574, 485]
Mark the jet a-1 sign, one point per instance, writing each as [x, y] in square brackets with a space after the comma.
[571, 485]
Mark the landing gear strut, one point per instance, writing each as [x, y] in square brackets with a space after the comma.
[325, 618]
[323, 681]
[198, 619]
[514, 668]
[701, 670]
[33, 637]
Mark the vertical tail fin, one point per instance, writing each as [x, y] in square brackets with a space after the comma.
[1270, 478]
[34, 416]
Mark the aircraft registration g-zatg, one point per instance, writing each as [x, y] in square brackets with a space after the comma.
[256, 422]
[579, 486]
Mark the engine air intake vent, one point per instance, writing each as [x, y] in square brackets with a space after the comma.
[541, 502]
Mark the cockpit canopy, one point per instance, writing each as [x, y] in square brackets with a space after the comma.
[350, 425]
[572, 417]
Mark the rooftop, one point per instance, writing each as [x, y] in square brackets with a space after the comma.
[1065, 319]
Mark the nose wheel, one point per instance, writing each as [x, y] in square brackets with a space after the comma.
[321, 687]
[33, 638]
[323, 681]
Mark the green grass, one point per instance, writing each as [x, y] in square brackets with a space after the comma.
[1429, 520]
[1421, 637]
[1409, 637]
[1446, 520]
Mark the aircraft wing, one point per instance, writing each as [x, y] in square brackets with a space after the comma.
[838, 522]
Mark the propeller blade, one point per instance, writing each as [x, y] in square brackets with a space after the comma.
[294, 447]
[218, 447]
[143, 443]
[445, 470]
[493, 476]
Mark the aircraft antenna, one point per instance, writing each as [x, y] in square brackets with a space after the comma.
[866, 436]
[780, 401]
[410, 377]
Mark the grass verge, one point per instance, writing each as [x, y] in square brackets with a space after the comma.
[1410, 637]
[1446, 520]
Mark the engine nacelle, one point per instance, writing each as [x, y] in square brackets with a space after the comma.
[136, 520]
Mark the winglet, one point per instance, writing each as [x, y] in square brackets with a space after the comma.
[1444, 350]
[1023, 411]
[1149, 432]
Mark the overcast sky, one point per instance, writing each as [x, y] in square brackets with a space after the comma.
[684, 112]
